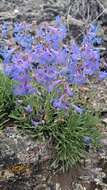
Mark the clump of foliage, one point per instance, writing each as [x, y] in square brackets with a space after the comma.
[71, 133]
[6, 99]
[46, 71]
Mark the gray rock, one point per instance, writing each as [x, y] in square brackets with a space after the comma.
[20, 159]
[79, 187]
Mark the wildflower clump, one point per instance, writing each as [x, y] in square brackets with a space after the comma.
[45, 71]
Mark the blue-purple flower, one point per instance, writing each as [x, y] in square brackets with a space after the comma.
[102, 75]
[87, 140]
[78, 109]
[61, 102]
[28, 109]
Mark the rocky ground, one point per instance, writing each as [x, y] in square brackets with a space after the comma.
[48, 9]
[24, 163]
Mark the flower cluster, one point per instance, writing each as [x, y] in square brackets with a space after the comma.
[38, 55]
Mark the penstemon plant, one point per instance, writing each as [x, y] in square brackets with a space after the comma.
[45, 71]
[43, 58]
